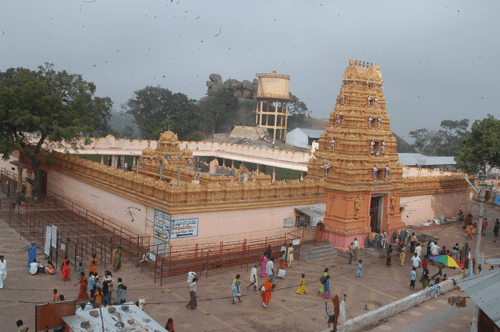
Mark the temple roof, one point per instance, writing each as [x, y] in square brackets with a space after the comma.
[168, 137]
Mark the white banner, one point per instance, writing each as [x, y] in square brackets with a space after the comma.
[48, 234]
[182, 228]
[54, 236]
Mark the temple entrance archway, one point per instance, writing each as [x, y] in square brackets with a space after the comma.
[376, 210]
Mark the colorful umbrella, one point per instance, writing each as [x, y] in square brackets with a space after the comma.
[447, 260]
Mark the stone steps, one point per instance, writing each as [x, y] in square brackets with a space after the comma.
[317, 251]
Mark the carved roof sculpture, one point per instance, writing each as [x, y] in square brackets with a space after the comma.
[360, 126]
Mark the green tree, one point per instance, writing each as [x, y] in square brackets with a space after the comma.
[218, 111]
[480, 149]
[444, 142]
[53, 105]
[156, 109]
[103, 107]
[297, 113]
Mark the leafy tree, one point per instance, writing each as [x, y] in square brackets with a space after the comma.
[444, 142]
[156, 109]
[298, 107]
[218, 111]
[103, 106]
[480, 149]
[53, 105]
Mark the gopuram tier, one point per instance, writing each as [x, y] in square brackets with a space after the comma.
[357, 159]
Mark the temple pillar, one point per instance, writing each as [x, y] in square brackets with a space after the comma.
[102, 159]
[19, 180]
[29, 187]
[133, 160]
[232, 163]
[274, 174]
[224, 162]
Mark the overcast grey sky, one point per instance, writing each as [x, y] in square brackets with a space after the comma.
[439, 59]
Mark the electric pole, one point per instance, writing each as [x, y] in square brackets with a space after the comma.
[482, 181]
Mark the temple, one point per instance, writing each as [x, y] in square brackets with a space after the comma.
[354, 181]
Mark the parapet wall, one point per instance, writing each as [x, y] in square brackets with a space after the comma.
[188, 198]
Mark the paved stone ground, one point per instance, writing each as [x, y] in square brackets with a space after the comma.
[287, 311]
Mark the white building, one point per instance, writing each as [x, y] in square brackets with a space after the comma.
[303, 138]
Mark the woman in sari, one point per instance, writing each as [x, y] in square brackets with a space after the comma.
[302, 288]
[192, 294]
[289, 255]
[49, 268]
[326, 292]
[426, 280]
[93, 264]
[263, 262]
[83, 295]
[65, 269]
[265, 292]
[98, 297]
[117, 258]
[236, 289]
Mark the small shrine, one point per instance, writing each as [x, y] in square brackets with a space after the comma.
[357, 159]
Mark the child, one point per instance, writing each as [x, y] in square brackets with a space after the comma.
[302, 288]
[326, 294]
[55, 298]
[236, 289]
[80, 268]
[282, 259]
[360, 268]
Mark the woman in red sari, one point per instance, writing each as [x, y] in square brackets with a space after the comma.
[265, 292]
[65, 269]
[83, 295]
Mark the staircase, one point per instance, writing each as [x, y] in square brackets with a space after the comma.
[316, 251]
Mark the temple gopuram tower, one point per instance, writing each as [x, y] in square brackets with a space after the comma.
[358, 161]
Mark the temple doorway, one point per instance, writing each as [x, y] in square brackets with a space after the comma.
[376, 208]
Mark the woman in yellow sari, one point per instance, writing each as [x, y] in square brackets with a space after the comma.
[93, 264]
[302, 288]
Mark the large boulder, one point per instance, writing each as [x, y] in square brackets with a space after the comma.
[216, 88]
[235, 85]
[247, 94]
[210, 84]
[227, 84]
[246, 84]
[215, 78]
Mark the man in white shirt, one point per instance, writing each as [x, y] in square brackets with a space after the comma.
[3, 270]
[35, 267]
[418, 250]
[435, 250]
[82, 307]
[270, 270]
[356, 245]
[253, 277]
[415, 260]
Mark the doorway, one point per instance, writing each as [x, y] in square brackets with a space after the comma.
[376, 208]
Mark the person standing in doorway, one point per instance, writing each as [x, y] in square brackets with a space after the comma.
[3, 270]
[351, 252]
[289, 255]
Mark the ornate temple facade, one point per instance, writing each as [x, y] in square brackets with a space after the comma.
[354, 177]
[357, 159]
